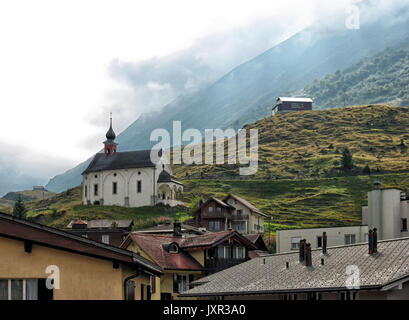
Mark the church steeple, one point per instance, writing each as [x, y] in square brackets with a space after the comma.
[110, 144]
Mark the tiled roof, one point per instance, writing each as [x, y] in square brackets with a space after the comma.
[26, 230]
[245, 203]
[212, 239]
[168, 228]
[269, 274]
[152, 244]
[120, 160]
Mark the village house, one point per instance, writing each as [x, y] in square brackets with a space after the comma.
[387, 210]
[231, 212]
[289, 104]
[111, 232]
[82, 269]
[129, 179]
[186, 259]
[369, 271]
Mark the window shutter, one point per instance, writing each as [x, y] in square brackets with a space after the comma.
[175, 283]
[191, 279]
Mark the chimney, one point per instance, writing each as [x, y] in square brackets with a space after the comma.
[374, 241]
[377, 185]
[370, 242]
[302, 242]
[324, 243]
[177, 229]
[308, 260]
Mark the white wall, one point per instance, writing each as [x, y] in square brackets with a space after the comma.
[335, 236]
[126, 180]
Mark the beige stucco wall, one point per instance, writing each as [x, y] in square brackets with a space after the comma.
[253, 218]
[335, 236]
[81, 277]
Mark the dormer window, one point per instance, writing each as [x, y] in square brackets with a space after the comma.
[173, 248]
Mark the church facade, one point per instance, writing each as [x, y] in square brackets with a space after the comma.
[129, 179]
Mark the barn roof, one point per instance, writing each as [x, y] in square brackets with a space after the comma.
[291, 99]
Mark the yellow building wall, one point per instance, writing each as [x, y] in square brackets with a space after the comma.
[81, 277]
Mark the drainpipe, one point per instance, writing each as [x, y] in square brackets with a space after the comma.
[127, 279]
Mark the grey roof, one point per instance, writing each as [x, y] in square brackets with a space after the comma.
[121, 160]
[165, 176]
[103, 223]
[390, 264]
[168, 228]
[293, 99]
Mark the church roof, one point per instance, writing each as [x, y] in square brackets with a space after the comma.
[165, 176]
[121, 160]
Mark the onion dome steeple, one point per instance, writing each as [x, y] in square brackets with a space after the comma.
[110, 133]
[110, 144]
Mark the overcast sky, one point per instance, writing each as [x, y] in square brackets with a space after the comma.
[64, 65]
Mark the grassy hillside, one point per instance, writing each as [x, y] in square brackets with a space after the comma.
[299, 182]
[26, 195]
[310, 144]
[62, 208]
[291, 203]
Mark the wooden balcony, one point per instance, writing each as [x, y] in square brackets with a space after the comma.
[216, 215]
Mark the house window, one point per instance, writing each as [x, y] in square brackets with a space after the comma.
[319, 241]
[173, 248]
[114, 188]
[295, 243]
[349, 239]
[404, 224]
[239, 212]
[214, 225]
[85, 191]
[219, 210]
[182, 282]
[130, 290]
[232, 201]
[239, 253]
[240, 226]
[18, 289]
[95, 189]
[153, 284]
[223, 252]
[210, 209]
[105, 238]
[139, 186]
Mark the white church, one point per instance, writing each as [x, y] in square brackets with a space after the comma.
[129, 179]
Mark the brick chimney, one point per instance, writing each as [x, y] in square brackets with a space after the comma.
[177, 229]
[324, 243]
[370, 242]
[374, 240]
[301, 252]
[308, 259]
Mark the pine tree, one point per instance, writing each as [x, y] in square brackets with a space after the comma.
[367, 169]
[19, 210]
[347, 162]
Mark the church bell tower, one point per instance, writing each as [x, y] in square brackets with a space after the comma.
[109, 143]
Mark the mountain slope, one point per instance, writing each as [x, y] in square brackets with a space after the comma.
[247, 93]
[383, 78]
[310, 144]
